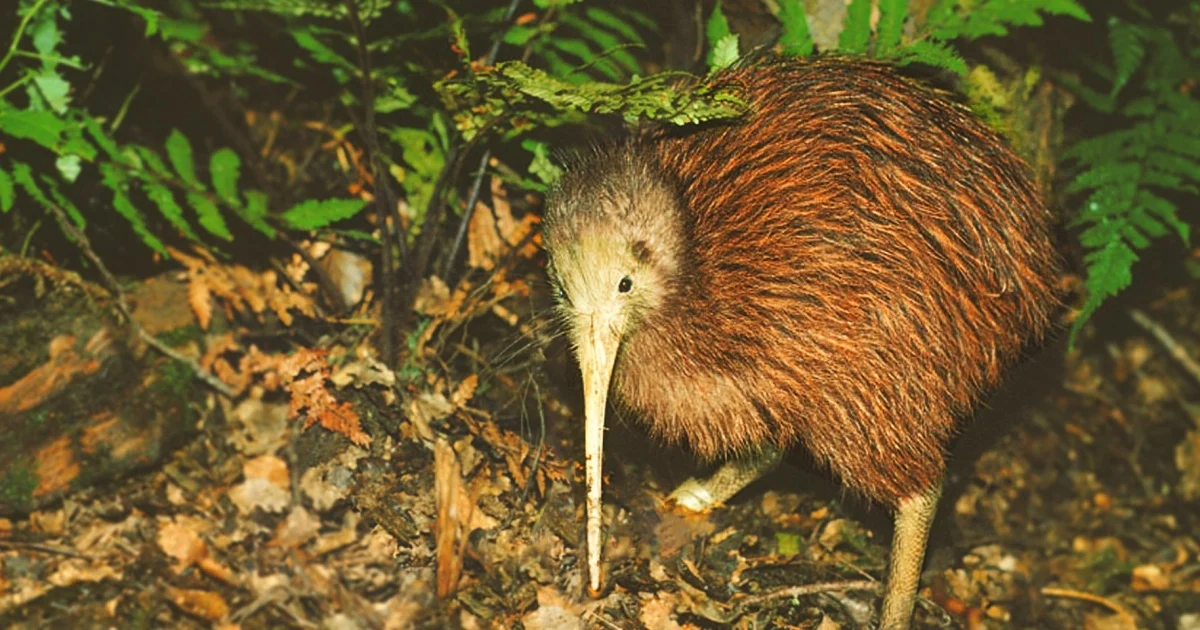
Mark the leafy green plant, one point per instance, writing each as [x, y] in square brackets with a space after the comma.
[932, 40]
[1131, 180]
[134, 174]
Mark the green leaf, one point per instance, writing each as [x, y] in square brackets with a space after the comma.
[254, 212]
[179, 152]
[1167, 212]
[891, 25]
[1125, 41]
[315, 214]
[856, 31]
[42, 127]
[161, 196]
[1109, 271]
[68, 167]
[796, 39]
[541, 166]
[103, 140]
[23, 176]
[53, 90]
[65, 204]
[321, 53]
[613, 23]
[725, 53]
[209, 216]
[932, 53]
[715, 30]
[7, 192]
[115, 180]
[581, 50]
[225, 166]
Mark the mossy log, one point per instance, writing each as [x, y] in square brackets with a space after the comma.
[82, 400]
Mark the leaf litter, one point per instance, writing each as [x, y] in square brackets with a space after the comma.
[333, 491]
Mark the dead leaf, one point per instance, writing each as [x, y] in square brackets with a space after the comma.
[299, 527]
[659, 612]
[181, 543]
[465, 391]
[448, 527]
[1150, 577]
[206, 605]
[266, 486]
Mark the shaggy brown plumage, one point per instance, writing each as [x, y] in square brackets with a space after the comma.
[849, 268]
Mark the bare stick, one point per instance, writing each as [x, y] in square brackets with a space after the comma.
[1177, 351]
[1126, 618]
[115, 289]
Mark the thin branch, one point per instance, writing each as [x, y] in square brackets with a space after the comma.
[115, 289]
[477, 184]
[385, 198]
[1177, 351]
[807, 589]
[1127, 620]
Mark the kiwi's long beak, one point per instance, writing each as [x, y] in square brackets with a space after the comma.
[598, 345]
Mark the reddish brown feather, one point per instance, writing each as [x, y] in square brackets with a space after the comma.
[853, 265]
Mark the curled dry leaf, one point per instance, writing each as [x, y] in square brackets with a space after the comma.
[299, 527]
[465, 391]
[206, 605]
[240, 289]
[266, 486]
[182, 543]
[494, 232]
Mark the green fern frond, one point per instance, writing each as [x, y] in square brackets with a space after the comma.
[514, 90]
[367, 9]
[856, 31]
[1134, 176]
[796, 39]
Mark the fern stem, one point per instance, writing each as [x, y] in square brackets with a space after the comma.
[16, 40]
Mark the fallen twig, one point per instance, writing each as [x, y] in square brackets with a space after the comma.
[115, 289]
[1126, 618]
[809, 589]
[1177, 351]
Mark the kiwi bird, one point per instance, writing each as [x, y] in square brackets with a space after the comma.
[847, 268]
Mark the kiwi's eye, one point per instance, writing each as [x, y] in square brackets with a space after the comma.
[625, 285]
[560, 293]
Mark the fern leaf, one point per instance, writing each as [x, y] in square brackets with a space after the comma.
[23, 176]
[225, 166]
[112, 178]
[161, 196]
[1167, 212]
[891, 25]
[209, 216]
[65, 204]
[725, 53]
[612, 22]
[1109, 271]
[796, 39]
[7, 191]
[856, 30]
[179, 151]
[42, 127]
[715, 30]
[151, 162]
[612, 47]
[932, 53]
[1128, 50]
[316, 214]
[586, 56]
[101, 138]
[254, 212]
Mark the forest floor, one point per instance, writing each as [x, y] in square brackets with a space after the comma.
[1071, 503]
